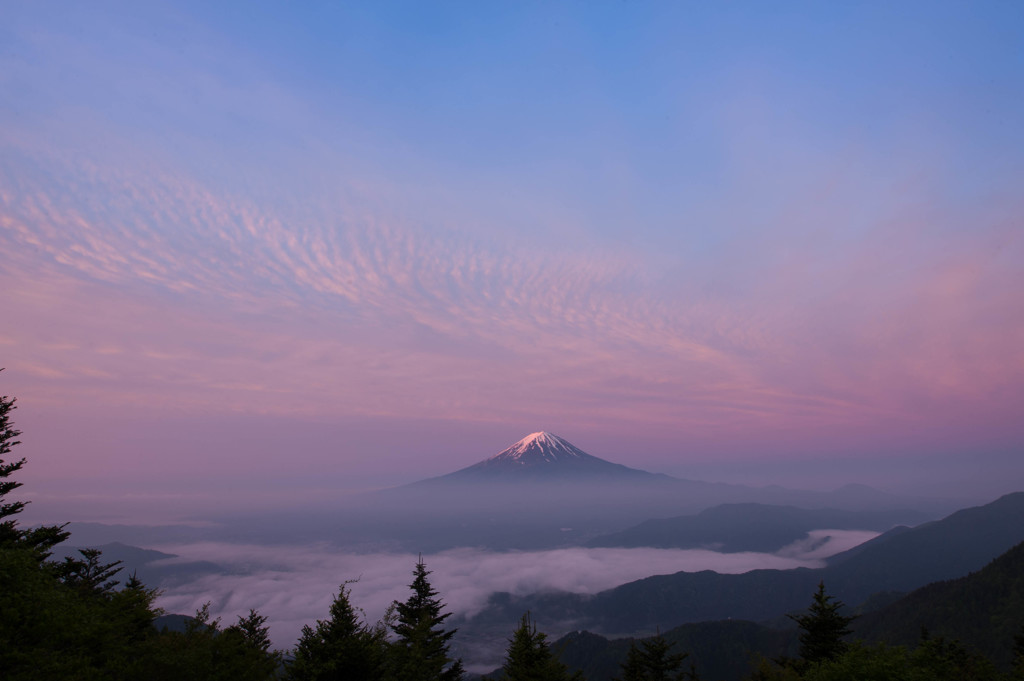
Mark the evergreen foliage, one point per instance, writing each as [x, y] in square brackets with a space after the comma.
[39, 541]
[89, 575]
[653, 661]
[530, 659]
[421, 649]
[341, 647]
[68, 620]
[823, 628]
[205, 651]
[724, 650]
[54, 625]
[933, 660]
[254, 630]
[7, 442]
[983, 610]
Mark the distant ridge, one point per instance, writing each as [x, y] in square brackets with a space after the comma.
[751, 527]
[983, 611]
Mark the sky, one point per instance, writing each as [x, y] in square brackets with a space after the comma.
[256, 249]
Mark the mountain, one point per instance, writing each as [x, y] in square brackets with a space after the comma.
[898, 561]
[542, 457]
[983, 610]
[960, 543]
[541, 492]
[751, 527]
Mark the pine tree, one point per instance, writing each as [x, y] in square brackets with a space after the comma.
[530, 659]
[421, 649]
[8, 435]
[89, 576]
[205, 651]
[341, 647]
[823, 628]
[39, 540]
[261, 662]
[253, 628]
[651, 661]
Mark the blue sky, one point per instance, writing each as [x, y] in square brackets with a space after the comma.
[697, 238]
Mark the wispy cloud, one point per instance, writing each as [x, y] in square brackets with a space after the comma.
[216, 232]
[220, 302]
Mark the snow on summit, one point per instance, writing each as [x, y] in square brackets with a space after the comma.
[539, 446]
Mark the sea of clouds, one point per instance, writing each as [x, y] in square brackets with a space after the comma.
[294, 586]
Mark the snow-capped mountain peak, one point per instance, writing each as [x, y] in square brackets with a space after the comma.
[543, 456]
[538, 447]
[539, 455]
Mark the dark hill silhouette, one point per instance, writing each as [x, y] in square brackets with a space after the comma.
[946, 549]
[983, 610]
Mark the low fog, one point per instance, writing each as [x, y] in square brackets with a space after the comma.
[294, 585]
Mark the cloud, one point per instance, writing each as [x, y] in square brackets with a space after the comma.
[820, 544]
[821, 292]
[398, 310]
[172, 295]
[294, 585]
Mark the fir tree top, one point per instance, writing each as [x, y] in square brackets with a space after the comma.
[823, 628]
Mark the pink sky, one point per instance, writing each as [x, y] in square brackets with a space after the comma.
[302, 298]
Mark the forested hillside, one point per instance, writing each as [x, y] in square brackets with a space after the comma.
[969, 621]
[983, 610]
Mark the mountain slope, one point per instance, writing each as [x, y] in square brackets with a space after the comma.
[945, 549]
[542, 456]
[541, 492]
[984, 610]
